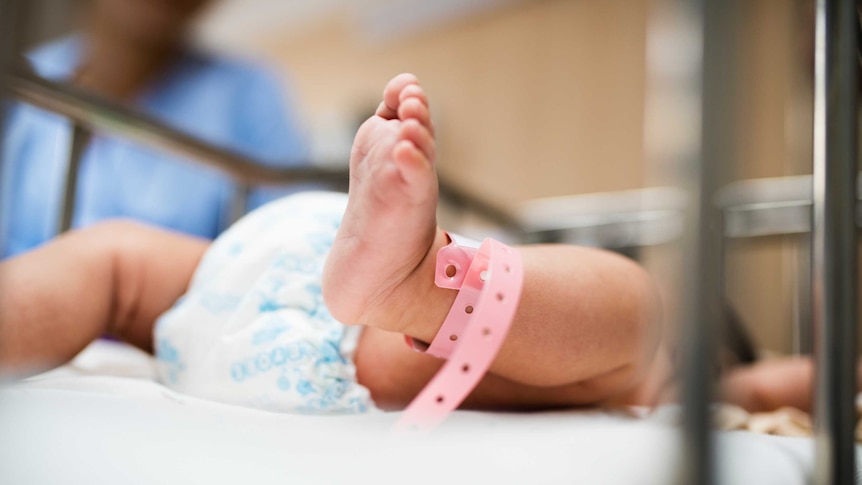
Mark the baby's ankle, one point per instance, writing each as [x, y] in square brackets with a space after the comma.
[416, 307]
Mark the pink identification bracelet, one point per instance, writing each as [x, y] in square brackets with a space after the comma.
[489, 281]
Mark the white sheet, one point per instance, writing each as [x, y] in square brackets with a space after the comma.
[103, 419]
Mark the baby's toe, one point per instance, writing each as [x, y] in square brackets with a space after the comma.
[420, 136]
[413, 166]
[413, 91]
[392, 93]
[413, 108]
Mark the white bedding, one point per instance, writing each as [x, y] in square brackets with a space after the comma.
[103, 419]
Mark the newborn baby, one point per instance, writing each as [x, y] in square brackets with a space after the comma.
[303, 305]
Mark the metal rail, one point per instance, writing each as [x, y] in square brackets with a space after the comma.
[703, 311]
[96, 114]
[834, 240]
[80, 139]
[771, 207]
[102, 116]
[620, 219]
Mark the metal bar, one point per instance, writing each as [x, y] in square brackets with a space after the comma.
[619, 220]
[80, 140]
[703, 310]
[771, 207]
[803, 333]
[834, 255]
[239, 202]
[103, 116]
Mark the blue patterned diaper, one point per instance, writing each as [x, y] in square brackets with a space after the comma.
[252, 328]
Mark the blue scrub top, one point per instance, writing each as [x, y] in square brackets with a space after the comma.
[230, 104]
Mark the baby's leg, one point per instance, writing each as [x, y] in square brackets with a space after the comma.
[115, 278]
[587, 318]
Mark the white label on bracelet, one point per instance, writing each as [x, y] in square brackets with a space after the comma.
[464, 242]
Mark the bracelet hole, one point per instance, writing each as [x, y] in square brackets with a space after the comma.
[465, 368]
[500, 297]
[440, 399]
[486, 332]
[507, 268]
[453, 337]
[451, 271]
[469, 309]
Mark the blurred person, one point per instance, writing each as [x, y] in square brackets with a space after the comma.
[135, 52]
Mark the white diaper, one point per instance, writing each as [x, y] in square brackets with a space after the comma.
[252, 328]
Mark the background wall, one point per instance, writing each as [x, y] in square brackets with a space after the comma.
[546, 98]
[774, 133]
[531, 99]
[534, 98]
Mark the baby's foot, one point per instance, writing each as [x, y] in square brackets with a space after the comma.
[372, 274]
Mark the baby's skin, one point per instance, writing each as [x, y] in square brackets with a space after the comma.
[587, 329]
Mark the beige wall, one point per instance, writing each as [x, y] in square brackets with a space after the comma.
[540, 98]
[546, 97]
[774, 133]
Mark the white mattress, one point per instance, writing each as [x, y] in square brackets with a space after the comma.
[103, 419]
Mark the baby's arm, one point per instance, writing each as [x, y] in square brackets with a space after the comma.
[115, 278]
[770, 384]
